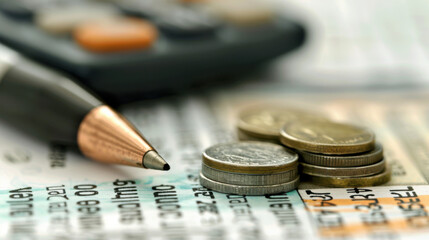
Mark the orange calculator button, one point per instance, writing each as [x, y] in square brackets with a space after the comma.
[116, 35]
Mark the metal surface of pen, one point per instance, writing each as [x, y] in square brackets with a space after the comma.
[52, 106]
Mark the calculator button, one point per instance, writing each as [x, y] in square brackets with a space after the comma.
[145, 8]
[22, 9]
[186, 22]
[119, 35]
[63, 18]
[242, 12]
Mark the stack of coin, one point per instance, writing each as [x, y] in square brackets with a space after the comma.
[336, 154]
[331, 154]
[249, 168]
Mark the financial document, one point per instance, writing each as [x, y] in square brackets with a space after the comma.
[50, 191]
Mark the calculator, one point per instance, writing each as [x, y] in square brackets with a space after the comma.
[127, 49]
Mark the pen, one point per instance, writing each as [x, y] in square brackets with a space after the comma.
[53, 106]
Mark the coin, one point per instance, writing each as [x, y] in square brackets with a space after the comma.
[250, 157]
[265, 122]
[249, 179]
[348, 182]
[354, 160]
[327, 137]
[248, 190]
[360, 171]
[243, 136]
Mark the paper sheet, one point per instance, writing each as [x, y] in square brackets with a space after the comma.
[49, 191]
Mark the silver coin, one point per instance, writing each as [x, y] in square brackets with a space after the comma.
[250, 157]
[248, 190]
[249, 179]
[354, 160]
[361, 171]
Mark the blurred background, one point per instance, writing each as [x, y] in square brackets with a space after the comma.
[360, 44]
[178, 45]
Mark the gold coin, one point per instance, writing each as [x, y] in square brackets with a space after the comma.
[265, 122]
[348, 182]
[361, 171]
[327, 137]
[351, 160]
[243, 136]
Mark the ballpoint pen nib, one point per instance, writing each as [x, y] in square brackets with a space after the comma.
[152, 160]
[166, 167]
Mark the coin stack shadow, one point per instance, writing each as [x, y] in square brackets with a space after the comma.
[355, 161]
[249, 168]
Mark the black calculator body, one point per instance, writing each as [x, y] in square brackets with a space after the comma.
[175, 61]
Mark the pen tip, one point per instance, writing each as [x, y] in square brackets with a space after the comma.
[152, 160]
[166, 167]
